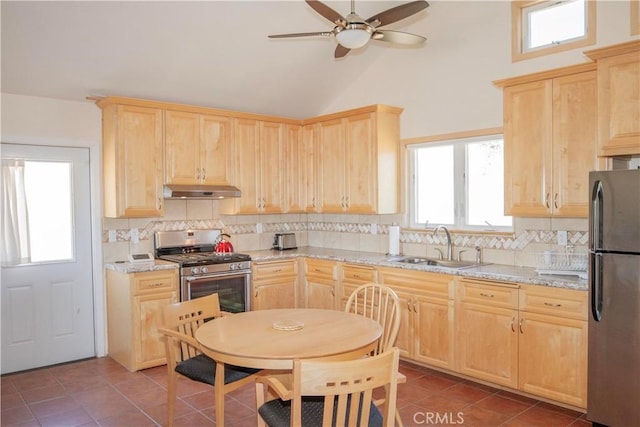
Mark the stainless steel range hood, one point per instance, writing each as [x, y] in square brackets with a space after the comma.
[200, 191]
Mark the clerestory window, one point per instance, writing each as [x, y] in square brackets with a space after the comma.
[542, 27]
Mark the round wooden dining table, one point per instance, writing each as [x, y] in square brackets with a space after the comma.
[273, 339]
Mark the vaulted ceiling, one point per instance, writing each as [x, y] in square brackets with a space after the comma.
[211, 53]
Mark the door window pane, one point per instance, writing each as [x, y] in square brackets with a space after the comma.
[50, 210]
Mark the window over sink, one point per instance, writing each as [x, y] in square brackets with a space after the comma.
[458, 182]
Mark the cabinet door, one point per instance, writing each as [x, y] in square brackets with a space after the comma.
[332, 166]
[274, 295]
[215, 150]
[271, 167]
[527, 149]
[247, 165]
[574, 143]
[433, 331]
[361, 171]
[619, 104]
[321, 293]
[181, 146]
[553, 358]
[487, 343]
[139, 162]
[405, 333]
[310, 168]
[294, 170]
[148, 318]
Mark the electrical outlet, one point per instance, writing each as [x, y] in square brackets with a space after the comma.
[374, 228]
[135, 237]
[562, 237]
[112, 236]
[259, 228]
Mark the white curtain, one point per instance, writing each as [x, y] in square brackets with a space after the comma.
[15, 226]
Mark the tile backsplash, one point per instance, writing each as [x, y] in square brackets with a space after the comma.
[352, 232]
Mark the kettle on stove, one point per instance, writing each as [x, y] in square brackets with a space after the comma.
[223, 245]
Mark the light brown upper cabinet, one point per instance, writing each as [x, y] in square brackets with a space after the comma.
[310, 167]
[295, 171]
[132, 153]
[197, 148]
[259, 151]
[618, 98]
[358, 161]
[550, 141]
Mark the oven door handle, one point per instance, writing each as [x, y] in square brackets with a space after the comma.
[217, 275]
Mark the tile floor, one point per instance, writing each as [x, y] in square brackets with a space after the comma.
[100, 392]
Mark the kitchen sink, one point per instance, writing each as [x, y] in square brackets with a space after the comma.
[435, 262]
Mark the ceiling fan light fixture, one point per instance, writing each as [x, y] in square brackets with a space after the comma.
[354, 35]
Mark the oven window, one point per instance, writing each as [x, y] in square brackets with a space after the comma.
[231, 291]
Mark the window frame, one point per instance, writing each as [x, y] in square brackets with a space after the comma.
[518, 35]
[459, 214]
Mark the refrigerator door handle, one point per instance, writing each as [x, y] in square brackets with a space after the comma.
[596, 216]
[596, 286]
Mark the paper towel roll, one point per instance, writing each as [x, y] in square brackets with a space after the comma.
[394, 240]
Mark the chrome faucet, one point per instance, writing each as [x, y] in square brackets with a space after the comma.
[449, 246]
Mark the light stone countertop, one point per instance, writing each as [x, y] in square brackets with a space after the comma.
[140, 267]
[496, 272]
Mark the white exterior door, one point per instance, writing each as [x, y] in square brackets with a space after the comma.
[47, 296]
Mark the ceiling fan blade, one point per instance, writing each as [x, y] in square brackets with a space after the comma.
[398, 37]
[341, 51]
[397, 13]
[326, 11]
[285, 36]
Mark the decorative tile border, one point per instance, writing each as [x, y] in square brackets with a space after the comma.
[485, 241]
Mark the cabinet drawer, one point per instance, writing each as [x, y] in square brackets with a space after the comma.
[488, 293]
[274, 268]
[433, 284]
[567, 303]
[320, 268]
[358, 274]
[154, 281]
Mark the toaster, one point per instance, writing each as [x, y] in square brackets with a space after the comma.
[284, 241]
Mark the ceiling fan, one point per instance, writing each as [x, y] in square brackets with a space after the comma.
[353, 31]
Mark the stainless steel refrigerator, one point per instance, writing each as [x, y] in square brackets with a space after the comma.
[614, 294]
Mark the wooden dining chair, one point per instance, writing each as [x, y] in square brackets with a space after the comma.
[186, 358]
[380, 303]
[334, 393]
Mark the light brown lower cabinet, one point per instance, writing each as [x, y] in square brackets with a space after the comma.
[553, 344]
[320, 283]
[134, 313]
[529, 338]
[426, 325]
[353, 276]
[274, 284]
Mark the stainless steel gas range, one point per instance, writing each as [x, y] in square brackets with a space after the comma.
[204, 271]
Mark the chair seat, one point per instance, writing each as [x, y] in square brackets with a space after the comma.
[202, 368]
[277, 413]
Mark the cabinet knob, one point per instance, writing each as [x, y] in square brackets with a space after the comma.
[521, 325]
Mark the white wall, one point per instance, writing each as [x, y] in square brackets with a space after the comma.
[55, 122]
[446, 85]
